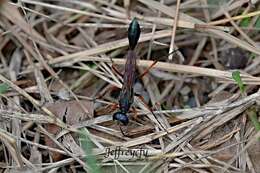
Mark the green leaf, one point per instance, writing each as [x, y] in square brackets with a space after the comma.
[252, 56]
[91, 64]
[3, 88]
[257, 23]
[245, 22]
[82, 72]
[87, 146]
[237, 78]
[253, 117]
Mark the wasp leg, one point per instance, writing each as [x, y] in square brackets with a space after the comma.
[125, 134]
[114, 69]
[158, 122]
[153, 64]
[148, 69]
[135, 113]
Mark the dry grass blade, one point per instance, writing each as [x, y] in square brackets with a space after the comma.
[224, 75]
[37, 118]
[176, 18]
[107, 47]
[33, 101]
[62, 69]
[169, 11]
[10, 143]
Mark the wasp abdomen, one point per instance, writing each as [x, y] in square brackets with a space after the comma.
[133, 33]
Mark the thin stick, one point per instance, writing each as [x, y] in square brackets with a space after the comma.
[174, 29]
[36, 103]
[200, 71]
[222, 21]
